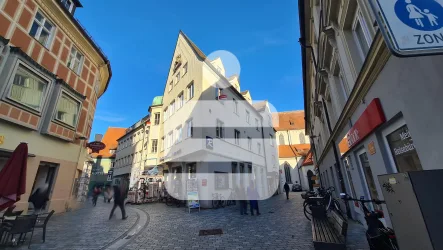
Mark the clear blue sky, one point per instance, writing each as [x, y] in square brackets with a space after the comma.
[139, 39]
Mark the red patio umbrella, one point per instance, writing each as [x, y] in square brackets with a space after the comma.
[13, 177]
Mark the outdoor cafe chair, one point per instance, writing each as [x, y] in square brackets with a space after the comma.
[42, 220]
[22, 225]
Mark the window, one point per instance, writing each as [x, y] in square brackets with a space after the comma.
[302, 138]
[156, 118]
[258, 148]
[235, 106]
[361, 34]
[180, 101]
[75, 60]
[190, 129]
[177, 78]
[247, 116]
[28, 88]
[249, 143]
[166, 113]
[271, 140]
[154, 146]
[163, 144]
[42, 30]
[219, 129]
[218, 93]
[281, 140]
[256, 124]
[237, 136]
[171, 108]
[179, 134]
[171, 84]
[68, 5]
[288, 174]
[171, 139]
[67, 110]
[190, 90]
[185, 68]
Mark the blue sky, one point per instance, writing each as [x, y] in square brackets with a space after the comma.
[139, 38]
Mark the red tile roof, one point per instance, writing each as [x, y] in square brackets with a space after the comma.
[290, 120]
[285, 151]
[110, 140]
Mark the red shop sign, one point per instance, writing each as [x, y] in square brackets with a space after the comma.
[96, 146]
[371, 118]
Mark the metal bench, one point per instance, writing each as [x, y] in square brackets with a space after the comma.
[329, 232]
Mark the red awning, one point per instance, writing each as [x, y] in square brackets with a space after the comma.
[13, 177]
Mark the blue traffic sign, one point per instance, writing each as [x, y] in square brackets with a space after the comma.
[423, 15]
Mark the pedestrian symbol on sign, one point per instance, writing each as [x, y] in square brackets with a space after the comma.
[423, 15]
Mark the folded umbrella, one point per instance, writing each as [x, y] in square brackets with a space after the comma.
[13, 177]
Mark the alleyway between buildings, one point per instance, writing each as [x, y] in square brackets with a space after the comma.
[281, 225]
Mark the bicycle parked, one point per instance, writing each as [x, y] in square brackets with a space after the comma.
[231, 199]
[218, 200]
[170, 200]
[378, 236]
[322, 198]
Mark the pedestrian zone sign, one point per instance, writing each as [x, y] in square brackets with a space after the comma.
[411, 27]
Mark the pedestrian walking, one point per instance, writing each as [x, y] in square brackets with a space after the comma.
[253, 198]
[119, 201]
[39, 198]
[95, 193]
[241, 194]
[286, 187]
[108, 194]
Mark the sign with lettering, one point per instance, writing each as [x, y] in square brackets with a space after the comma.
[110, 173]
[96, 146]
[371, 118]
[413, 27]
[403, 150]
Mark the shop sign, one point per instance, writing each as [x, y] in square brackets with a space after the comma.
[110, 173]
[403, 150]
[411, 27]
[371, 148]
[2, 139]
[371, 118]
[96, 146]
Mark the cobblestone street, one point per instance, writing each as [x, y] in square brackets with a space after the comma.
[281, 225]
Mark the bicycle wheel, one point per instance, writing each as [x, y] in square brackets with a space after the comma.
[215, 204]
[307, 211]
[222, 203]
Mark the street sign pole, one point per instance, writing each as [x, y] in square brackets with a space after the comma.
[411, 27]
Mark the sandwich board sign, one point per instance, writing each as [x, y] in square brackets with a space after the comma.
[411, 27]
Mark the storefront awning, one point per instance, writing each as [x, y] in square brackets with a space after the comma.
[7, 152]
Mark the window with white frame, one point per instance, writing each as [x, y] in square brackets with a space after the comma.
[190, 90]
[248, 116]
[171, 108]
[180, 100]
[237, 136]
[235, 106]
[157, 118]
[165, 114]
[259, 148]
[257, 124]
[171, 139]
[249, 143]
[185, 68]
[189, 129]
[28, 88]
[281, 139]
[177, 78]
[154, 145]
[361, 34]
[1, 3]
[171, 85]
[42, 30]
[219, 129]
[179, 134]
[75, 60]
[67, 110]
[68, 4]
[302, 138]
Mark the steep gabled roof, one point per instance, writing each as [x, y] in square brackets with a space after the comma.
[110, 140]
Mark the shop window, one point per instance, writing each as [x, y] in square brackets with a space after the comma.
[67, 110]
[364, 161]
[403, 150]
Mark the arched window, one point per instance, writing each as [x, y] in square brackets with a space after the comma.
[288, 174]
[281, 139]
[302, 138]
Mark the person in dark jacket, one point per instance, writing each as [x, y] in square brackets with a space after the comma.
[119, 201]
[39, 198]
[286, 187]
[253, 197]
[241, 194]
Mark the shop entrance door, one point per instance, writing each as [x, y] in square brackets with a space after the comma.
[370, 183]
[44, 180]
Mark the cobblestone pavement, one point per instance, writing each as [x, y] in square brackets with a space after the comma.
[86, 228]
[281, 225]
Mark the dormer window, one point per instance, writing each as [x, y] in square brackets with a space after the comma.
[291, 123]
[68, 4]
